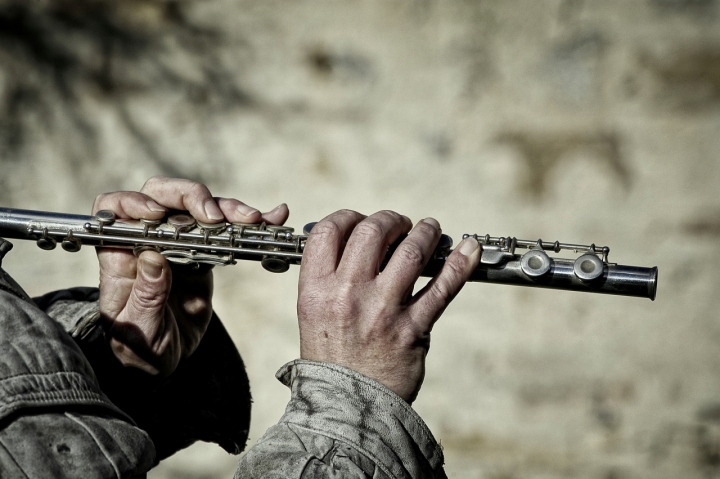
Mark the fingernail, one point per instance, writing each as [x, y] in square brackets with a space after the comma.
[212, 211]
[151, 268]
[246, 210]
[432, 222]
[468, 246]
[278, 207]
[154, 206]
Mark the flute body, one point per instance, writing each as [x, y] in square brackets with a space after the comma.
[182, 239]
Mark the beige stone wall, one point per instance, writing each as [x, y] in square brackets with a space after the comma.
[573, 120]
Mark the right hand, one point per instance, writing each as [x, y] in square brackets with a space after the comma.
[351, 314]
[153, 314]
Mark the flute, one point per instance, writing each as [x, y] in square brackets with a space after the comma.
[184, 240]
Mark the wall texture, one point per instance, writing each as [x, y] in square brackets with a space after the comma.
[562, 119]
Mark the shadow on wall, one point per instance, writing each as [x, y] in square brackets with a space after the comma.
[687, 80]
[56, 55]
[542, 151]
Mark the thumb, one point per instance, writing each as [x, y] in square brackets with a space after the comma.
[144, 327]
[150, 290]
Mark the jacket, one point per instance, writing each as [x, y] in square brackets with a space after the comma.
[69, 409]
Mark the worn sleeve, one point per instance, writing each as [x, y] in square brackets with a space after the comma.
[55, 421]
[341, 424]
[207, 398]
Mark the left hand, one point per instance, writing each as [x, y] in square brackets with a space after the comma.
[156, 315]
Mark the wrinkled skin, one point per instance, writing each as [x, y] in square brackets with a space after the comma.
[155, 315]
[353, 315]
[349, 313]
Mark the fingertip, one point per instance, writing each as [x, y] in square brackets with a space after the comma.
[154, 207]
[129, 204]
[470, 248]
[277, 215]
[152, 265]
[212, 211]
[247, 213]
[433, 222]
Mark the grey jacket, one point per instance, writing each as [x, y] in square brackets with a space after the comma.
[69, 409]
[341, 424]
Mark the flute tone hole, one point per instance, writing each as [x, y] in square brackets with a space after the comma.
[535, 262]
[587, 266]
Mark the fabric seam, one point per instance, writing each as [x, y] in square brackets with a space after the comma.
[13, 459]
[372, 457]
[97, 442]
[12, 291]
[54, 373]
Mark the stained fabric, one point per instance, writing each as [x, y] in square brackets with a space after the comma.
[55, 421]
[341, 424]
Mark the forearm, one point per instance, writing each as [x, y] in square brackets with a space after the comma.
[340, 423]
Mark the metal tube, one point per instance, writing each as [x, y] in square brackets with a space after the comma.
[196, 246]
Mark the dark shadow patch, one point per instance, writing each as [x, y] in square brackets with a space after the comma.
[614, 473]
[699, 8]
[707, 447]
[58, 54]
[541, 152]
[62, 448]
[344, 66]
[661, 444]
[705, 226]
[709, 413]
[688, 79]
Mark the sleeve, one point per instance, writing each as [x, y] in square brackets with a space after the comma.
[207, 398]
[55, 421]
[341, 424]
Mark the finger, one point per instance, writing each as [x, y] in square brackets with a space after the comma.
[277, 215]
[129, 204]
[325, 243]
[368, 244]
[181, 194]
[150, 291]
[409, 259]
[118, 270]
[143, 327]
[236, 211]
[429, 303]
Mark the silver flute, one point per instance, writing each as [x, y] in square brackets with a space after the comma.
[184, 240]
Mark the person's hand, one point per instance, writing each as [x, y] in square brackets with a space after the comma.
[353, 315]
[155, 315]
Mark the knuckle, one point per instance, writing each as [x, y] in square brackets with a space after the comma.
[198, 189]
[148, 299]
[390, 213]
[441, 292]
[99, 199]
[369, 229]
[456, 268]
[347, 212]
[428, 229]
[412, 254]
[153, 180]
[325, 229]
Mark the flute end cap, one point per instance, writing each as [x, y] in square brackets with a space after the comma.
[652, 287]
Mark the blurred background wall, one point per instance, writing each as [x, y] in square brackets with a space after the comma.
[562, 119]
